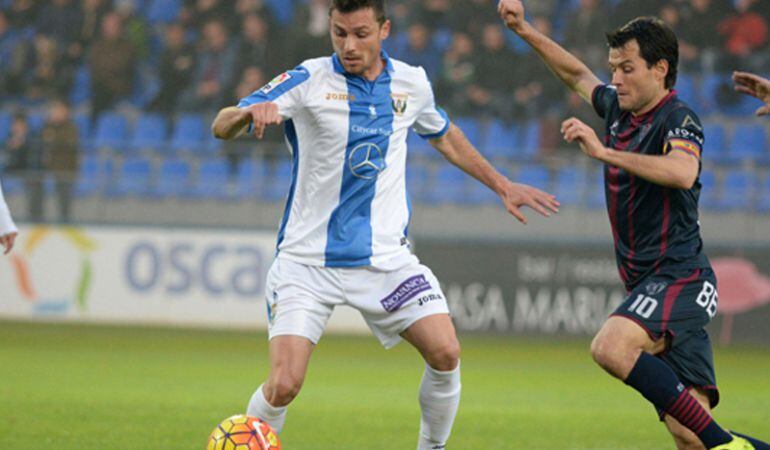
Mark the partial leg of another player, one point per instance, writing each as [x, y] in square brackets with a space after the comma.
[625, 350]
[435, 338]
[684, 438]
[289, 358]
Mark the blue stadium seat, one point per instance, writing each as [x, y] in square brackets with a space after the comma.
[163, 11]
[570, 186]
[417, 181]
[709, 193]
[715, 148]
[419, 147]
[12, 185]
[188, 135]
[737, 191]
[534, 175]
[173, 179]
[283, 10]
[213, 180]
[81, 87]
[37, 120]
[91, 175]
[595, 193]
[447, 185]
[749, 142]
[687, 90]
[6, 119]
[111, 131]
[250, 178]
[83, 122]
[133, 179]
[530, 139]
[279, 179]
[763, 197]
[501, 140]
[150, 133]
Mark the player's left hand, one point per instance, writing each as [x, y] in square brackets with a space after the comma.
[756, 86]
[515, 195]
[7, 241]
[574, 130]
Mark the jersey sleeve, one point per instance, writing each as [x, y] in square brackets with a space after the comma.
[604, 98]
[6, 222]
[287, 90]
[431, 122]
[683, 132]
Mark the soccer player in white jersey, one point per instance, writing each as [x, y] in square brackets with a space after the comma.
[343, 237]
[8, 230]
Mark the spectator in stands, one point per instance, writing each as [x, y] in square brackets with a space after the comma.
[175, 70]
[92, 13]
[112, 61]
[470, 16]
[23, 13]
[245, 7]
[25, 159]
[698, 40]
[59, 140]
[457, 74]
[310, 36]
[9, 39]
[494, 77]
[39, 71]
[135, 27]
[214, 69]
[255, 49]
[419, 49]
[60, 20]
[745, 31]
[535, 90]
[584, 32]
[756, 86]
[197, 13]
[435, 14]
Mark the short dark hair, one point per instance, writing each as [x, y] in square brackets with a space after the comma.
[349, 6]
[656, 42]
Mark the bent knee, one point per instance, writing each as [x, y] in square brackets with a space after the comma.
[614, 356]
[282, 389]
[445, 357]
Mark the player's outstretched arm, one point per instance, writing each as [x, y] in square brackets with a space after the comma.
[676, 169]
[756, 86]
[570, 70]
[232, 122]
[8, 230]
[460, 152]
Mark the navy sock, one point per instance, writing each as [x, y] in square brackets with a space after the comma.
[655, 380]
[759, 445]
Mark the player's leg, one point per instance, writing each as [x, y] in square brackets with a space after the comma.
[289, 358]
[300, 300]
[434, 337]
[683, 437]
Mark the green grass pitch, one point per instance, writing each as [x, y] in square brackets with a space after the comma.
[97, 388]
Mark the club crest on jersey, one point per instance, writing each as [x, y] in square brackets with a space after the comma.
[399, 102]
[275, 82]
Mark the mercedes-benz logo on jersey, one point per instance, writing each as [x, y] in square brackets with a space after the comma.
[366, 161]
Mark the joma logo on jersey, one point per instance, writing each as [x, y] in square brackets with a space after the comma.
[340, 96]
[399, 102]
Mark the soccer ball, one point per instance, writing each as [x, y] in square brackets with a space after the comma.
[243, 433]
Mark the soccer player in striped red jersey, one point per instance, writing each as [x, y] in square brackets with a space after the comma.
[655, 341]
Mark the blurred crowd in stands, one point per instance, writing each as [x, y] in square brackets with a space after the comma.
[66, 65]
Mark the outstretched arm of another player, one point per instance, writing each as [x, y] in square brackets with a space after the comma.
[232, 122]
[676, 169]
[570, 70]
[756, 86]
[459, 151]
[8, 230]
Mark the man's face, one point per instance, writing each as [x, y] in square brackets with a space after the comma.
[357, 39]
[636, 83]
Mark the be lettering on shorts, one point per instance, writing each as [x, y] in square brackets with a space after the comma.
[405, 292]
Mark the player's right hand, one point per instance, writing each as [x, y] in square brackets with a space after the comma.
[262, 116]
[516, 195]
[512, 13]
[7, 240]
[756, 86]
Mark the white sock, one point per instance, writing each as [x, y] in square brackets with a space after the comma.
[439, 399]
[259, 407]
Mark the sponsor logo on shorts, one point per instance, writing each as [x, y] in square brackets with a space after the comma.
[405, 292]
[429, 298]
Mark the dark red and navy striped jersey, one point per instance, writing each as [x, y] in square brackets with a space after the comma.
[654, 227]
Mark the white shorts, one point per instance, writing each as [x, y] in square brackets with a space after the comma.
[301, 298]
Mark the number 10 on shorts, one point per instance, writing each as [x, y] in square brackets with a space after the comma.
[644, 306]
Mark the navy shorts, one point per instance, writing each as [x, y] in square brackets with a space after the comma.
[676, 304]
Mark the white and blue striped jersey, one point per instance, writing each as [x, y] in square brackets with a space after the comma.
[348, 204]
